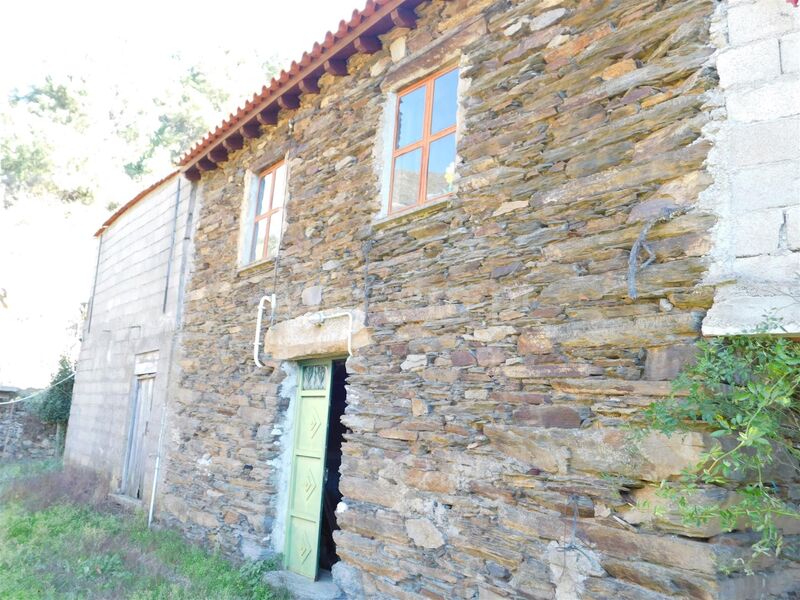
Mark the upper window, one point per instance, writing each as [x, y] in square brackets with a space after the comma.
[268, 214]
[424, 151]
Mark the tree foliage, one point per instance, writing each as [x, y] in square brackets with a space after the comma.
[55, 403]
[60, 102]
[745, 391]
[26, 168]
[78, 137]
[180, 122]
[29, 163]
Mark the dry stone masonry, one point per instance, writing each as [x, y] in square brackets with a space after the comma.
[501, 356]
[23, 436]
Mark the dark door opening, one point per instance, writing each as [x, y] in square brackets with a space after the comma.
[331, 496]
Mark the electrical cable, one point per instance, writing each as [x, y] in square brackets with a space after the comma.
[17, 400]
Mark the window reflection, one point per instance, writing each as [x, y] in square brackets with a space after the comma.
[445, 102]
[267, 221]
[441, 166]
[405, 188]
[410, 117]
[424, 157]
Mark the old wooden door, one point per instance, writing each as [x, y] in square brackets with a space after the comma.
[133, 473]
[308, 467]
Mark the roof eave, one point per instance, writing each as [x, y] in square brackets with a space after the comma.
[359, 35]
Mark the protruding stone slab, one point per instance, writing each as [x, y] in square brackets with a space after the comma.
[316, 334]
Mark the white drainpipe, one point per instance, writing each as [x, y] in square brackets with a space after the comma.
[259, 321]
[345, 313]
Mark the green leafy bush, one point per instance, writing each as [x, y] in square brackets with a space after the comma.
[54, 404]
[745, 391]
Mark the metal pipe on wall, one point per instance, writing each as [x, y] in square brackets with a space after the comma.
[94, 284]
[259, 324]
[172, 245]
[336, 315]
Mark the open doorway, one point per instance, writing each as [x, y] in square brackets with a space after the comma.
[331, 496]
[314, 493]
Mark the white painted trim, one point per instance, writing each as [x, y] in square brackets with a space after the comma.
[384, 144]
[247, 216]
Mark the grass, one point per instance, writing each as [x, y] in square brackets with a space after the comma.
[60, 539]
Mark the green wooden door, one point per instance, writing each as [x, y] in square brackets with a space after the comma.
[308, 467]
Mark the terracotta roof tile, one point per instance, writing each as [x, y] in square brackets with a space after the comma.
[334, 45]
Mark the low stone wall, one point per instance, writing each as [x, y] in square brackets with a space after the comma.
[23, 436]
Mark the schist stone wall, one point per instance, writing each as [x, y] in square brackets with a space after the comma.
[501, 356]
[23, 436]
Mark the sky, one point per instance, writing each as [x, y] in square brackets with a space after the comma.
[47, 250]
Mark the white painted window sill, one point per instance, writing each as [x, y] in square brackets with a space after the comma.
[388, 221]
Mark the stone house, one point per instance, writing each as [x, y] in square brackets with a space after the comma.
[123, 369]
[8, 392]
[440, 264]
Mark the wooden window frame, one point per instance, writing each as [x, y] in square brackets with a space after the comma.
[424, 143]
[271, 174]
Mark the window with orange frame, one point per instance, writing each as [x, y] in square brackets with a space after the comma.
[424, 150]
[268, 219]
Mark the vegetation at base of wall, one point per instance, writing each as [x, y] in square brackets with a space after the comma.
[745, 391]
[16, 472]
[60, 538]
[54, 404]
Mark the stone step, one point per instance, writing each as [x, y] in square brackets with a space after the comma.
[303, 588]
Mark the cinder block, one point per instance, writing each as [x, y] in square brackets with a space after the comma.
[757, 232]
[779, 98]
[765, 186]
[759, 20]
[790, 53]
[754, 62]
[765, 142]
[741, 311]
[775, 268]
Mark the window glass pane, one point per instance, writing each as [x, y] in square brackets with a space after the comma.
[405, 185]
[262, 201]
[275, 226]
[442, 166]
[314, 377]
[445, 101]
[280, 187]
[410, 117]
[259, 235]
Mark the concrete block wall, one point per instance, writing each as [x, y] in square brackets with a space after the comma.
[128, 318]
[756, 162]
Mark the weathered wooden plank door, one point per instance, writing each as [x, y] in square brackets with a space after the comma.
[308, 467]
[133, 473]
